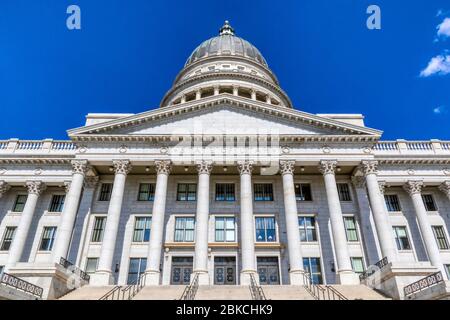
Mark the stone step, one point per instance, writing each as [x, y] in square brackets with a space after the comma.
[286, 292]
[360, 292]
[160, 293]
[87, 293]
[224, 292]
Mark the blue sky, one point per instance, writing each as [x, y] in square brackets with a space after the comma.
[127, 54]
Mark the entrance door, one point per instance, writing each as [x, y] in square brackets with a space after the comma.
[268, 270]
[224, 270]
[181, 270]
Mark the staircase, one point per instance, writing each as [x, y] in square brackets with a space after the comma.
[223, 293]
[287, 292]
[160, 293]
[87, 293]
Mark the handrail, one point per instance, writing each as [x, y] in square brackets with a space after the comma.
[131, 290]
[319, 292]
[374, 268]
[256, 290]
[428, 281]
[191, 290]
[74, 269]
[113, 294]
[22, 285]
[335, 293]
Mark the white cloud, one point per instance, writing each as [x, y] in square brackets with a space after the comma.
[437, 65]
[439, 110]
[444, 28]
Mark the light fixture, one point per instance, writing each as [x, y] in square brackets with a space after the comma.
[225, 168]
[302, 169]
[338, 169]
[186, 168]
[111, 169]
[147, 169]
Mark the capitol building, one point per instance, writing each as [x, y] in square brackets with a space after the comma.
[224, 185]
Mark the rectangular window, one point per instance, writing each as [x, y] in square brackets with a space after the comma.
[142, 226]
[350, 228]
[187, 192]
[105, 192]
[401, 238]
[312, 266]
[48, 238]
[447, 268]
[225, 192]
[57, 203]
[392, 203]
[441, 239]
[19, 204]
[429, 203]
[263, 191]
[91, 265]
[184, 229]
[136, 268]
[357, 264]
[303, 192]
[265, 229]
[8, 238]
[225, 229]
[99, 226]
[1, 269]
[307, 227]
[344, 192]
[146, 192]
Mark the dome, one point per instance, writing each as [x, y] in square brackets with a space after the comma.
[226, 44]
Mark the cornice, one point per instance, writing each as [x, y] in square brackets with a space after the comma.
[36, 160]
[433, 160]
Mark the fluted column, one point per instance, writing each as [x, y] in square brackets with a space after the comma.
[292, 227]
[247, 225]
[35, 188]
[445, 188]
[345, 274]
[69, 213]
[104, 275]
[4, 187]
[153, 271]
[380, 214]
[414, 189]
[201, 222]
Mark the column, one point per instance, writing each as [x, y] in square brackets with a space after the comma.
[201, 222]
[69, 213]
[4, 187]
[445, 188]
[414, 189]
[380, 214]
[247, 224]
[35, 188]
[345, 274]
[292, 228]
[104, 275]
[153, 271]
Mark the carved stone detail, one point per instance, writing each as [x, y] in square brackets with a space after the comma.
[79, 166]
[413, 187]
[327, 166]
[163, 166]
[382, 185]
[369, 167]
[35, 187]
[245, 167]
[205, 167]
[359, 181]
[91, 181]
[287, 167]
[444, 187]
[4, 187]
[122, 166]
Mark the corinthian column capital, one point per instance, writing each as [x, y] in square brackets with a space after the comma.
[79, 166]
[122, 166]
[413, 187]
[245, 167]
[369, 167]
[327, 166]
[4, 187]
[445, 187]
[382, 186]
[205, 167]
[287, 167]
[35, 187]
[163, 167]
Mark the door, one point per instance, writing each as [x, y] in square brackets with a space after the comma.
[181, 270]
[224, 270]
[268, 270]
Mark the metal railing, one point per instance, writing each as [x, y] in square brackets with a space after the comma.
[113, 294]
[191, 290]
[127, 292]
[256, 290]
[74, 269]
[321, 292]
[22, 285]
[427, 282]
[374, 268]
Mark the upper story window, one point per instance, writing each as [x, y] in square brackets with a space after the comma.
[19, 204]
[303, 192]
[184, 229]
[312, 266]
[263, 192]
[429, 203]
[48, 238]
[225, 192]
[225, 229]
[187, 192]
[57, 203]
[350, 229]
[91, 265]
[265, 229]
[105, 192]
[401, 238]
[392, 203]
[146, 192]
[344, 192]
[99, 226]
[8, 238]
[357, 264]
[307, 227]
[142, 226]
[441, 239]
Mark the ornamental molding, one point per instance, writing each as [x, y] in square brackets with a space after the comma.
[445, 187]
[122, 166]
[327, 166]
[4, 187]
[163, 166]
[79, 166]
[287, 167]
[67, 185]
[369, 167]
[413, 187]
[35, 187]
[245, 167]
[35, 161]
[205, 167]
[382, 186]
[415, 160]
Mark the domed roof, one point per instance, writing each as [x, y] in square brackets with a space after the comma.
[226, 44]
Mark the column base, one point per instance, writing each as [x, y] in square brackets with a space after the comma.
[297, 277]
[203, 277]
[347, 277]
[245, 277]
[101, 278]
[152, 278]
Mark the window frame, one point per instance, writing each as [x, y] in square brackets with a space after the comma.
[60, 206]
[309, 269]
[94, 229]
[17, 203]
[225, 229]
[305, 228]
[275, 229]
[388, 206]
[226, 194]
[10, 240]
[397, 239]
[187, 192]
[140, 271]
[352, 259]
[355, 229]
[51, 240]
[299, 186]
[184, 229]
[442, 237]
[348, 191]
[267, 195]
[87, 263]
[426, 203]
[150, 195]
[102, 193]
[144, 230]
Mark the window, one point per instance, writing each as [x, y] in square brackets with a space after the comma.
[312, 266]
[303, 192]
[392, 203]
[1, 269]
[401, 238]
[57, 203]
[265, 229]
[225, 192]
[350, 229]
[184, 229]
[136, 268]
[8, 238]
[105, 192]
[307, 227]
[186, 192]
[441, 239]
[357, 264]
[225, 229]
[146, 192]
[263, 192]
[142, 226]
[19, 204]
[344, 192]
[48, 238]
[428, 201]
[99, 226]
[91, 265]
[446, 266]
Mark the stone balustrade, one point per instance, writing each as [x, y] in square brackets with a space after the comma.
[15, 146]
